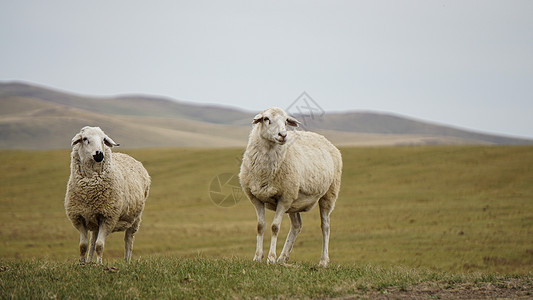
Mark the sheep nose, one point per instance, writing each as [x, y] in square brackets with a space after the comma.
[99, 156]
[283, 134]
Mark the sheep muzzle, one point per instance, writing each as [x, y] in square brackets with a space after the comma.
[99, 156]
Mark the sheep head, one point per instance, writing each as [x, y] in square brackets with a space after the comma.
[91, 144]
[273, 124]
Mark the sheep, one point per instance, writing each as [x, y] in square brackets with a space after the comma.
[105, 193]
[289, 172]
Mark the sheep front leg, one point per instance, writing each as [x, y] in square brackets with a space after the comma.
[260, 211]
[296, 226]
[83, 241]
[276, 223]
[103, 231]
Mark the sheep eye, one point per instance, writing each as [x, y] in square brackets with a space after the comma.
[266, 119]
[86, 140]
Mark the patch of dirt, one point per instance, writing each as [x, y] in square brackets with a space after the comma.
[501, 289]
[111, 269]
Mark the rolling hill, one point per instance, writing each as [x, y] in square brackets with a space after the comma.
[34, 117]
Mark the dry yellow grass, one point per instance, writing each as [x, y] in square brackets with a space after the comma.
[454, 208]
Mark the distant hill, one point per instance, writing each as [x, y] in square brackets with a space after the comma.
[380, 123]
[33, 117]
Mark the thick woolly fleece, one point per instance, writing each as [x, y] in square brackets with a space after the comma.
[116, 194]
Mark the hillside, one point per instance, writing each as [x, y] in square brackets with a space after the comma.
[33, 117]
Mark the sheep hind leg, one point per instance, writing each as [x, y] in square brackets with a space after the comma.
[92, 244]
[296, 226]
[326, 207]
[128, 241]
[276, 224]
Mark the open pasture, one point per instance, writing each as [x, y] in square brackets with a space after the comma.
[443, 208]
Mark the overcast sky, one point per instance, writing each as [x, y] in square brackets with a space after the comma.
[462, 63]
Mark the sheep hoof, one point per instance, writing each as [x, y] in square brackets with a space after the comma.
[323, 263]
[271, 259]
[282, 259]
[258, 258]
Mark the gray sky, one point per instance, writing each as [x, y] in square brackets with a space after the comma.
[462, 63]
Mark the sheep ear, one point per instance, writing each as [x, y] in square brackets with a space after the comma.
[258, 118]
[76, 139]
[292, 122]
[109, 142]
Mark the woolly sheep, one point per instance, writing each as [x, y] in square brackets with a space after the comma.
[289, 172]
[106, 192]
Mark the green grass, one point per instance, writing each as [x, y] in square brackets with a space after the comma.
[448, 209]
[230, 278]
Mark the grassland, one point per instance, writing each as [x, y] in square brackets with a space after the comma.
[425, 210]
[207, 278]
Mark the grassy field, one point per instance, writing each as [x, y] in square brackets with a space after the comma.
[207, 278]
[436, 210]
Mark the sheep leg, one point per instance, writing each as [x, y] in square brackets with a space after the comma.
[92, 244]
[103, 230]
[276, 223]
[128, 241]
[296, 226]
[128, 244]
[83, 241]
[325, 211]
[260, 211]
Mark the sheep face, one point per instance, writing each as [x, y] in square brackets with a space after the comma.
[91, 143]
[273, 124]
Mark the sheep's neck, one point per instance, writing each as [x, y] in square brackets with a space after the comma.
[267, 158]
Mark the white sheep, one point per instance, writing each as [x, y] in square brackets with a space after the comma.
[106, 192]
[289, 172]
